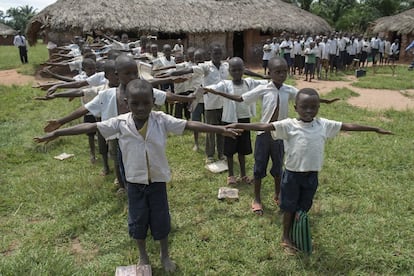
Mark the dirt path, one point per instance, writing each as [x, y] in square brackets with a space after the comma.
[374, 99]
[10, 77]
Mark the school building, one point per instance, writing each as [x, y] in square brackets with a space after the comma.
[399, 26]
[7, 34]
[241, 27]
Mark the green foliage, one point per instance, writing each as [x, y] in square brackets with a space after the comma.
[19, 16]
[355, 16]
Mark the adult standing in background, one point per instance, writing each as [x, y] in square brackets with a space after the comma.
[21, 43]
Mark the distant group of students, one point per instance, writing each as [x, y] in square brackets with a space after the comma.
[217, 90]
[309, 54]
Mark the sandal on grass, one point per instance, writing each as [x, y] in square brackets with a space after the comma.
[246, 179]
[231, 180]
[289, 249]
[257, 208]
[276, 200]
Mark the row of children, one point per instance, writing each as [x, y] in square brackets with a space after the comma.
[146, 176]
[337, 51]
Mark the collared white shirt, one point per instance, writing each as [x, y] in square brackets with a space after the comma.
[268, 95]
[135, 147]
[19, 41]
[213, 75]
[305, 142]
[163, 62]
[232, 110]
[104, 105]
[284, 44]
[333, 46]
[97, 79]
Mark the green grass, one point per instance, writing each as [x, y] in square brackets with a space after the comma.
[63, 218]
[9, 58]
[383, 78]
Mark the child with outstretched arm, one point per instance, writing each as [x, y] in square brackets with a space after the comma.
[274, 97]
[142, 135]
[304, 138]
[234, 112]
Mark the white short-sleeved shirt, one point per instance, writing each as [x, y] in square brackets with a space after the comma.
[305, 142]
[232, 110]
[97, 79]
[76, 64]
[284, 44]
[134, 147]
[104, 105]
[213, 75]
[268, 95]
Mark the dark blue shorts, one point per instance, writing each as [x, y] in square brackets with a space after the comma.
[198, 112]
[88, 118]
[264, 148]
[241, 145]
[298, 190]
[148, 208]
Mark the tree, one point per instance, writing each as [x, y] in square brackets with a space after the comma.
[303, 4]
[20, 16]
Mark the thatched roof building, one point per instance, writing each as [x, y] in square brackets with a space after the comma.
[177, 16]
[6, 34]
[400, 25]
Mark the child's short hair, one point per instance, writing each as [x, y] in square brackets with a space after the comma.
[139, 86]
[122, 60]
[307, 91]
[88, 62]
[109, 65]
[235, 60]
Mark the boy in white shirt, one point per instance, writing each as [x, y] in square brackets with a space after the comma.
[236, 112]
[304, 143]
[142, 135]
[275, 97]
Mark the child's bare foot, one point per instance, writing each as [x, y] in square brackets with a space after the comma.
[93, 159]
[288, 247]
[143, 260]
[168, 264]
[104, 172]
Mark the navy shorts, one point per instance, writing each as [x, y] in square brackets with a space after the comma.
[297, 190]
[89, 119]
[148, 208]
[241, 145]
[198, 112]
[264, 148]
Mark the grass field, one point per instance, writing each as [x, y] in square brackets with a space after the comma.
[63, 218]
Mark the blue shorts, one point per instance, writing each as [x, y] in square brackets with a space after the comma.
[148, 208]
[241, 145]
[197, 112]
[264, 148]
[297, 190]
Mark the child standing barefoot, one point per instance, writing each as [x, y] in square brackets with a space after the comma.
[142, 135]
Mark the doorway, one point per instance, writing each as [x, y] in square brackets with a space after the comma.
[238, 45]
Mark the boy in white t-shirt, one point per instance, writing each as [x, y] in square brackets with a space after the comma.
[142, 135]
[304, 145]
[236, 112]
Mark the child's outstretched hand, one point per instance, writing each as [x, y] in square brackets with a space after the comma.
[52, 125]
[231, 132]
[383, 131]
[45, 98]
[46, 138]
[332, 100]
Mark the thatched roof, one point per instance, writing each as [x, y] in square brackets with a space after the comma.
[6, 30]
[403, 23]
[173, 16]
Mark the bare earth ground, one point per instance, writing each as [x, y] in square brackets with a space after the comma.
[375, 99]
